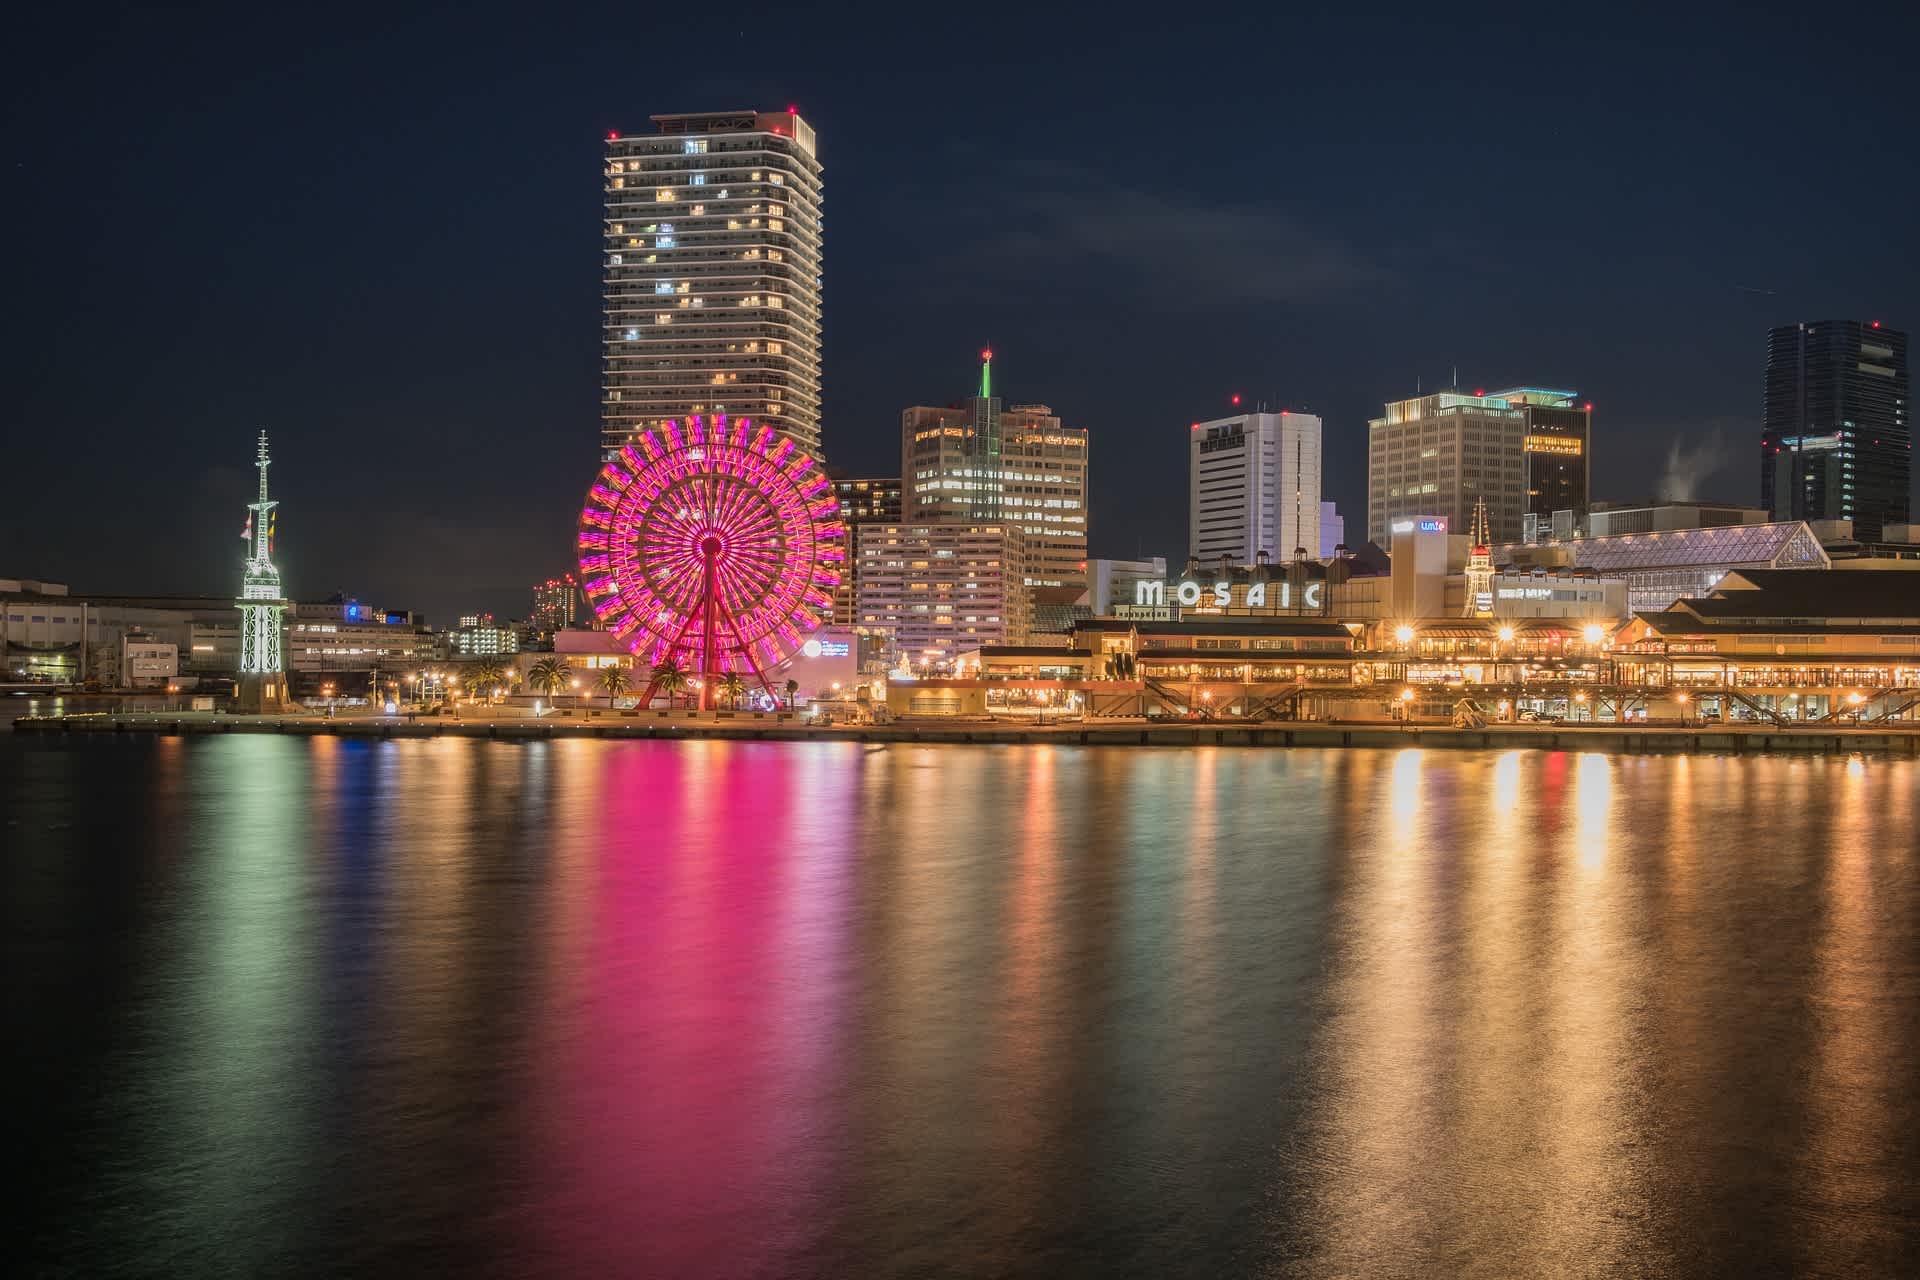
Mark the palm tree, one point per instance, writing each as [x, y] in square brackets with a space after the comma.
[733, 686]
[793, 688]
[615, 682]
[669, 679]
[549, 676]
[484, 678]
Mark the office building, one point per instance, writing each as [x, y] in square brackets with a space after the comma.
[1837, 441]
[712, 274]
[1524, 450]
[341, 637]
[1253, 485]
[938, 588]
[861, 501]
[980, 461]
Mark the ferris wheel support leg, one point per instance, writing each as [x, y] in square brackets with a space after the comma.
[653, 684]
[747, 653]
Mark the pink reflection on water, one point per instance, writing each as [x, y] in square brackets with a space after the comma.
[689, 1089]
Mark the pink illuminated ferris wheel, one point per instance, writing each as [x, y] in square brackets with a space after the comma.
[714, 544]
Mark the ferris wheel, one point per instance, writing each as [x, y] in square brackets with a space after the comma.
[713, 544]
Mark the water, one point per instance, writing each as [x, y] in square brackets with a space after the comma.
[279, 1005]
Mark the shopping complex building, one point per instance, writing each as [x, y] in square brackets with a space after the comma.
[1779, 646]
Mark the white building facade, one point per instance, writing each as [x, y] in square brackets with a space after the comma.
[1253, 486]
[712, 261]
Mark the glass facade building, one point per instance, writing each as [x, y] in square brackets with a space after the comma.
[1838, 437]
[1525, 451]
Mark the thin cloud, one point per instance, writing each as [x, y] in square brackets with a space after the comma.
[1167, 251]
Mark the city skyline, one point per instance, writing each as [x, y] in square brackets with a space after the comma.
[428, 416]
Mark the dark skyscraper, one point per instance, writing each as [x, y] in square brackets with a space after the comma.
[1838, 441]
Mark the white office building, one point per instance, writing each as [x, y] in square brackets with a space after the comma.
[1254, 485]
[712, 274]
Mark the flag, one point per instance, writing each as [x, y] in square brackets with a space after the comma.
[246, 534]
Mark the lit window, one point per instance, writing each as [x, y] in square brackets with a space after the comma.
[694, 146]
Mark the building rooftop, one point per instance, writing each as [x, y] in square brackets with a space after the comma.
[1836, 596]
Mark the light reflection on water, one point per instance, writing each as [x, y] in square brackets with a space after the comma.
[706, 1008]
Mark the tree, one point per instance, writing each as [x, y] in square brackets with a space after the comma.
[615, 682]
[669, 679]
[733, 686]
[793, 689]
[549, 676]
[484, 678]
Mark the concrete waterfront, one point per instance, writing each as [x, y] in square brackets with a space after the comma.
[752, 727]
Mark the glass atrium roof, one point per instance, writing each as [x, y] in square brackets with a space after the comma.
[1788, 544]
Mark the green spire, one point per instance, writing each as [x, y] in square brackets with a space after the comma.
[986, 373]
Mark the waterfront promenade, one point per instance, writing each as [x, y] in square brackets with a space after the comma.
[756, 727]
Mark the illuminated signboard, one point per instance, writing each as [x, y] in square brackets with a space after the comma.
[825, 649]
[1189, 594]
[1425, 524]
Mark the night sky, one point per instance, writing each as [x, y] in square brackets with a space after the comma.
[379, 237]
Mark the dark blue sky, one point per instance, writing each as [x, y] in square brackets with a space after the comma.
[378, 236]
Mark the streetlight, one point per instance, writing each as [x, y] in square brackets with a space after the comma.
[1506, 635]
[1594, 634]
[1682, 700]
[1403, 634]
[1854, 700]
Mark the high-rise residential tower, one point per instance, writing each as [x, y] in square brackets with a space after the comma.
[1838, 437]
[712, 274]
[1254, 485]
[1525, 450]
[980, 461]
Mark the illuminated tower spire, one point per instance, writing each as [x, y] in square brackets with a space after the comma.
[986, 373]
[1479, 564]
[262, 684]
